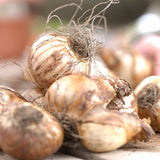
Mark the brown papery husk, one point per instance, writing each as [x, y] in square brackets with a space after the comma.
[73, 96]
[76, 94]
[59, 101]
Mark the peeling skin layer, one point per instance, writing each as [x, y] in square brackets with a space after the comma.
[123, 100]
[80, 93]
[76, 94]
[86, 100]
[126, 104]
[9, 91]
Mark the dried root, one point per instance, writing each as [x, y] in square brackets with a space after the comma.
[70, 50]
[148, 95]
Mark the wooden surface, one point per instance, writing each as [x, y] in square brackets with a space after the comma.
[131, 151]
[57, 156]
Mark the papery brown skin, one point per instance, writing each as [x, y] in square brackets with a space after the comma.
[26, 131]
[103, 130]
[76, 94]
[52, 56]
[125, 100]
[148, 96]
[35, 95]
[127, 63]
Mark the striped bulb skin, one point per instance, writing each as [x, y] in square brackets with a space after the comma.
[52, 56]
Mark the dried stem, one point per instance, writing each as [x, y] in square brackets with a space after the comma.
[99, 22]
[61, 7]
[54, 16]
[101, 17]
[75, 13]
[92, 16]
[81, 35]
[83, 14]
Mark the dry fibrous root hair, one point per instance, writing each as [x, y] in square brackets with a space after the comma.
[81, 34]
[72, 49]
[148, 97]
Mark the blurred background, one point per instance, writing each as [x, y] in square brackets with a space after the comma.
[128, 22]
[22, 20]
[133, 22]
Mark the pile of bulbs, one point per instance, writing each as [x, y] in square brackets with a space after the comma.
[79, 95]
[102, 106]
